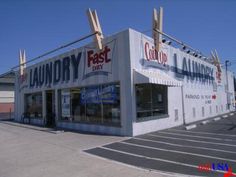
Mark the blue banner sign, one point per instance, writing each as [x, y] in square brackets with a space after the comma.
[99, 94]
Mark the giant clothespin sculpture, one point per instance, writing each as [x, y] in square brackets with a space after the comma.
[157, 27]
[216, 59]
[95, 27]
[216, 62]
[22, 59]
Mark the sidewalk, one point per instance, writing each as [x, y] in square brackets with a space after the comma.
[29, 151]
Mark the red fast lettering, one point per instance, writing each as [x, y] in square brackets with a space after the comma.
[99, 57]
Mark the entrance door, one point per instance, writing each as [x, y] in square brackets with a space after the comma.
[50, 108]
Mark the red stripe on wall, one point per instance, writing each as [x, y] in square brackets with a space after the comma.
[6, 107]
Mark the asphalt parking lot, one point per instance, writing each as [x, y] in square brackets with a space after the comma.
[31, 151]
[178, 150]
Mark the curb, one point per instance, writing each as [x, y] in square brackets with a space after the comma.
[217, 118]
[190, 126]
[204, 122]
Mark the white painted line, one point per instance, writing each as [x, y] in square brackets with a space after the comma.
[197, 132]
[225, 116]
[136, 167]
[180, 145]
[195, 136]
[205, 122]
[231, 114]
[157, 159]
[198, 141]
[217, 118]
[180, 152]
[110, 142]
[190, 126]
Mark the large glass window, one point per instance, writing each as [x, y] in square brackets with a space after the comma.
[33, 105]
[151, 101]
[110, 97]
[96, 104]
[77, 107]
[91, 99]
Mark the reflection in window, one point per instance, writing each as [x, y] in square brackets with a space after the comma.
[151, 100]
[97, 104]
[111, 103]
[78, 110]
[33, 106]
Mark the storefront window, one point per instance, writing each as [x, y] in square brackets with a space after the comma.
[151, 100]
[97, 104]
[77, 109]
[33, 107]
[111, 103]
[65, 104]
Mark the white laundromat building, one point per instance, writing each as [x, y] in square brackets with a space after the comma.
[126, 89]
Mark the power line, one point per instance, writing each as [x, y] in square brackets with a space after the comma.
[181, 43]
[54, 50]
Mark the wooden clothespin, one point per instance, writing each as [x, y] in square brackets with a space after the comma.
[216, 59]
[95, 27]
[157, 25]
[22, 58]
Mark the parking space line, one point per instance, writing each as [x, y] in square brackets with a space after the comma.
[206, 142]
[225, 116]
[205, 134]
[180, 145]
[197, 132]
[166, 173]
[158, 159]
[231, 114]
[195, 136]
[180, 152]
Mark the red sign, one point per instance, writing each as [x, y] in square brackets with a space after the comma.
[99, 62]
[218, 73]
[97, 59]
[213, 97]
[151, 54]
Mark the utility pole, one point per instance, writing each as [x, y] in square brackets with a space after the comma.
[227, 83]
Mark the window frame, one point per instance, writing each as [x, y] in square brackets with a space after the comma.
[152, 117]
[25, 105]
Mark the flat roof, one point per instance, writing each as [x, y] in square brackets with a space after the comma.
[8, 77]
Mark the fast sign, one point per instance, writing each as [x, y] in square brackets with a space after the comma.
[99, 61]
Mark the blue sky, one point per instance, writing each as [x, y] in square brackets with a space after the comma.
[39, 26]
